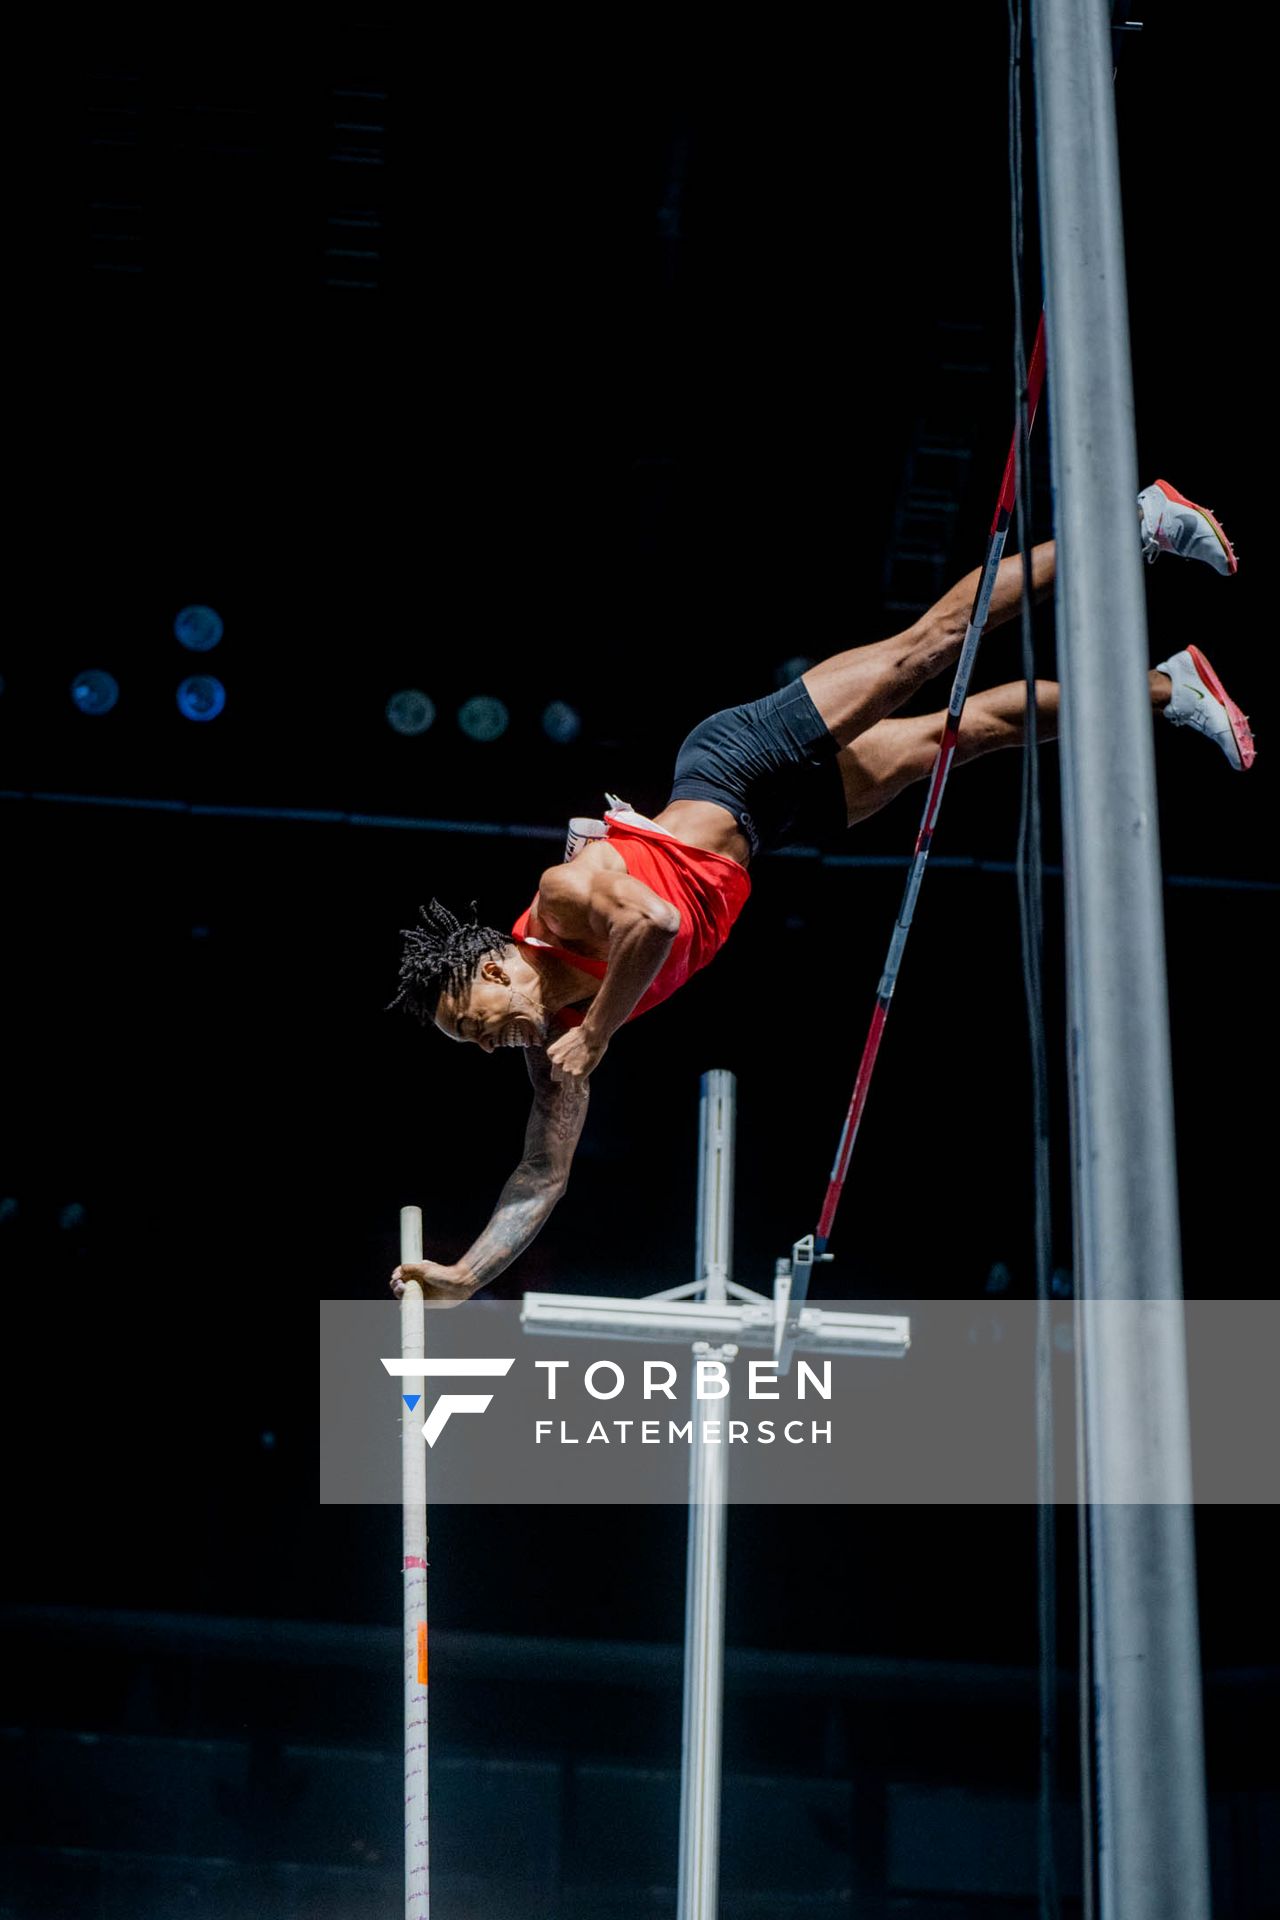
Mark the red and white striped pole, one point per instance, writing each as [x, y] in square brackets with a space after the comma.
[937, 781]
[413, 1460]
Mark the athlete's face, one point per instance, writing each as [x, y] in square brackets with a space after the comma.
[501, 1008]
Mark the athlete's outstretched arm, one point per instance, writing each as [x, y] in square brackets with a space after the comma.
[639, 926]
[529, 1197]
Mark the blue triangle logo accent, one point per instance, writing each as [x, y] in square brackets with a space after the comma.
[411, 1400]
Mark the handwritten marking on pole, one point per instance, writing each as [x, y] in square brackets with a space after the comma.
[422, 1653]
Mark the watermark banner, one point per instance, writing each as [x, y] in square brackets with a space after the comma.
[896, 1403]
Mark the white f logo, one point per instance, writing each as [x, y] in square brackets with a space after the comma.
[449, 1403]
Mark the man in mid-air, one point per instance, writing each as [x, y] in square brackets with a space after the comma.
[620, 926]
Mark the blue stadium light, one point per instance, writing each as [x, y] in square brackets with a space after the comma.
[198, 628]
[94, 691]
[483, 718]
[410, 711]
[201, 697]
[561, 722]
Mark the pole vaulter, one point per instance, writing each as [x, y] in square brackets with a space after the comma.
[639, 905]
[640, 916]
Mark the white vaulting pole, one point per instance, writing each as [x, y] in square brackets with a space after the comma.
[708, 1487]
[413, 1459]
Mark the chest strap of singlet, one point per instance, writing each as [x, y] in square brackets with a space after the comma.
[567, 1016]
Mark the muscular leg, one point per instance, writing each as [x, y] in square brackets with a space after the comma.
[855, 689]
[895, 754]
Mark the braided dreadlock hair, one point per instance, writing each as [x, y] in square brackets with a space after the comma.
[441, 956]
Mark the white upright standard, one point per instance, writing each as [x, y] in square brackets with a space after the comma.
[413, 1459]
[715, 1317]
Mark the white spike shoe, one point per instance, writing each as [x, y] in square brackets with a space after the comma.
[1173, 524]
[1201, 701]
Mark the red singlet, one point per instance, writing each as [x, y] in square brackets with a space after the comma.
[708, 889]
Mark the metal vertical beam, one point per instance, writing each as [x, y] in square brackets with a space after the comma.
[699, 1871]
[413, 1465]
[722, 1318]
[1147, 1709]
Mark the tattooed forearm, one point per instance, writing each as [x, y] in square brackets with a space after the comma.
[530, 1195]
[524, 1207]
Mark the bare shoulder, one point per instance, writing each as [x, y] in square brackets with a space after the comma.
[565, 892]
[574, 878]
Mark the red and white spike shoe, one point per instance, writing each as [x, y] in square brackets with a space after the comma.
[1200, 700]
[1173, 524]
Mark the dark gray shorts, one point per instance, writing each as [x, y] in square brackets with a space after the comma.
[771, 763]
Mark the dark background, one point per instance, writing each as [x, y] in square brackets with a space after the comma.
[610, 367]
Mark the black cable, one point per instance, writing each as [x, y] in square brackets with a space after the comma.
[1030, 880]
